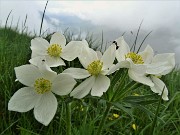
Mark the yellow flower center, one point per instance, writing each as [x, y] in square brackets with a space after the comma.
[42, 85]
[95, 67]
[136, 58]
[54, 50]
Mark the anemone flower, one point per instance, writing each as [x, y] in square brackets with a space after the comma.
[158, 65]
[135, 63]
[40, 83]
[55, 50]
[96, 68]
[144, 67]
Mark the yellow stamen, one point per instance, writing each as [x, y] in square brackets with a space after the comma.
[135, 94]
[54, 50]
[115, 115]
[95, 67]
[134, 126]
[42, 85]
[136, 58]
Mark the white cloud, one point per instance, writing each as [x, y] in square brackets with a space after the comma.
[122, 14]
[19, 11]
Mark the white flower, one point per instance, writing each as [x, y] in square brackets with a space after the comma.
[52, 52]
[96, 67]
[41, 84]
[158, 65]
[134, 62]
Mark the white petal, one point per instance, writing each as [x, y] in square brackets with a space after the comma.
[63, 84]
[84, 88]
[77, 73]
[99, 54]
[140, 78]
[140, 69]
[87, 56]
[27, 74]
[158, 88]
[85, 43]
[72, 50]
[162, 64]
[157, 68]
[122, 64]
[23, 100]
[114, 69]
[147, 54]
[34, 54]
[54, 61]
[108, 57]
[46, 71]
[36, 60]
[122, 50]
[58, 38]
[101, 85]
[39, 46]
[105, 72]
[45, 109]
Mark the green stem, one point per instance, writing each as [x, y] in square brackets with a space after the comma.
[116, 77]
[120, 95]
[108, 108]
[119, 86]
[68, 118]
[156, 114]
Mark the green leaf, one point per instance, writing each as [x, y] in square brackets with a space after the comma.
[127, 110]
[142, 100]
[141, 97]
[145, 102]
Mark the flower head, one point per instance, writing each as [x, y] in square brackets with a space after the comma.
[41, 82]
[144, 67]
[52, 52]
[96, 67]
[135, 63]
[158, 65]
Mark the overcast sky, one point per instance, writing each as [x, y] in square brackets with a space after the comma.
[113, 17]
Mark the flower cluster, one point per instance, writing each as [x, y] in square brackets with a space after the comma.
[41, 82]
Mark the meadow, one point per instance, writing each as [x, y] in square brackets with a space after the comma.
[136, 114]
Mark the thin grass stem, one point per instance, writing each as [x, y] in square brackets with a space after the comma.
[134, 45]
[108, 108]
[42, 19]
[7, 19]
[143, 41]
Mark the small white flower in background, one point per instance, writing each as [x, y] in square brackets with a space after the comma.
[55, 50]
[96, 67]
[41, 83]
[158, 65]
[134, 62]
